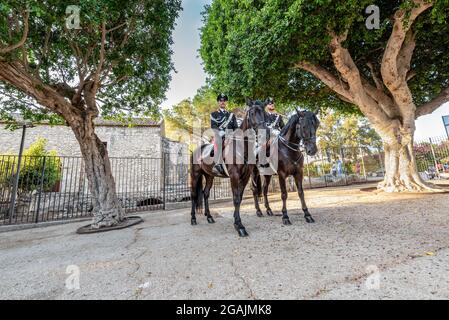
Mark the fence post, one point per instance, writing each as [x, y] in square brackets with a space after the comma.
[16, 178]
[322, 166]
[434, 158]
[381, 161]
[363, 164]
[41, 187]
[343, 164]
[163, 180]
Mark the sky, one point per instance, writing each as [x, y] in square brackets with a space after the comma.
[190, 75]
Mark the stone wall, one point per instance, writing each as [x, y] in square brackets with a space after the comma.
[122, 141]
[135, 153]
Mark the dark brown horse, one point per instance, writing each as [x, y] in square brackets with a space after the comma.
[300, 129]
[237, 161]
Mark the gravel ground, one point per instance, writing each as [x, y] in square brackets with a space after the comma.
[364, 245]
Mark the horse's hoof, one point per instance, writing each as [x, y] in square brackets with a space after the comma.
[309, 219]
[286, 221]
[210, 220]
[259, 214]
[242, 232]
[269, 212]
[193, 222]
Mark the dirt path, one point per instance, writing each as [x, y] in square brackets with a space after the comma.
[404, 237]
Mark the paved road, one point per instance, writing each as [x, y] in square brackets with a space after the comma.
[403, 238]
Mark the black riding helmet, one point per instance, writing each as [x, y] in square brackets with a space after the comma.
[222, 96]
[269, 101]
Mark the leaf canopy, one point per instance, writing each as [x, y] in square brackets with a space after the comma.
[137, 51]
[250, 47]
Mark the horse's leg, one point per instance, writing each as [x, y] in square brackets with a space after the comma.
[209, 183]
[284, 194]
[266, 184]
[298, 181]
[196, 190]
[255, 187]
[237, 193]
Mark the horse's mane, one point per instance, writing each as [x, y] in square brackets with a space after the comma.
[256, 103]
[291, 122]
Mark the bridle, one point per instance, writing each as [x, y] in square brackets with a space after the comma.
[292, 146]
[296, 147]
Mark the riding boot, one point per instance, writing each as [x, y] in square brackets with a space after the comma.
[219, 170]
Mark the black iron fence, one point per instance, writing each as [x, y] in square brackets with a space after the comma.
[55, 187]
[432, 157]
[339, 166]
[50, 188]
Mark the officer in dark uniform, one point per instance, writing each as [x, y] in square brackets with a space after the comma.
[222, 120]
[274, 120]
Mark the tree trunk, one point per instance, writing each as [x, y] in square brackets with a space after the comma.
[401, 173]
[107, 209]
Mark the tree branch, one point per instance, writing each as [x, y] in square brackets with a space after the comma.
[349, 71]
[328, 79]
[24, 36]
[100, 65]
[396, 59]
[376, 78]
[406, 54]
[15, 74]
[434, 104]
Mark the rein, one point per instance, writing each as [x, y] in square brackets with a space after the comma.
[292, 146]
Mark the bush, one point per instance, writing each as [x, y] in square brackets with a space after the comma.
[33, 174]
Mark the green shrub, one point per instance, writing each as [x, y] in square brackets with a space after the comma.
[38, 167]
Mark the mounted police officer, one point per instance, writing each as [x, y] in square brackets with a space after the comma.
[221, 120]
[274, 120]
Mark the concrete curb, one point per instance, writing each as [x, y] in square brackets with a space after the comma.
[169, 207]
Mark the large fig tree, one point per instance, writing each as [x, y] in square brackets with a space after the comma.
[323, 53]
[82, 59]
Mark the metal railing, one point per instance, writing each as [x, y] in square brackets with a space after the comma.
[55, 187]
[432, 157]
[340, 166]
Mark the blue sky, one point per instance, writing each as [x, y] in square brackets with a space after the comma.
[190, 75]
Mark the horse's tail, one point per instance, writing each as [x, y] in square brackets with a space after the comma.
[199, 194]
[256, 182]
[196, 187]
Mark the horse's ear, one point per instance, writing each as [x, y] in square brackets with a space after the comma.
[299, 113]
[249, 102]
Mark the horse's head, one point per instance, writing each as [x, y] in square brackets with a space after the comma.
[255, 115]
[306, 129]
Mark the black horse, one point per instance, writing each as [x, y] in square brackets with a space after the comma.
[237, 162]
[301, 127]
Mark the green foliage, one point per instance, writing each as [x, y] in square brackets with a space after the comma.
[250, 47]
[182, 118]
[137, 61]
[351, 132]
[38, 167]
